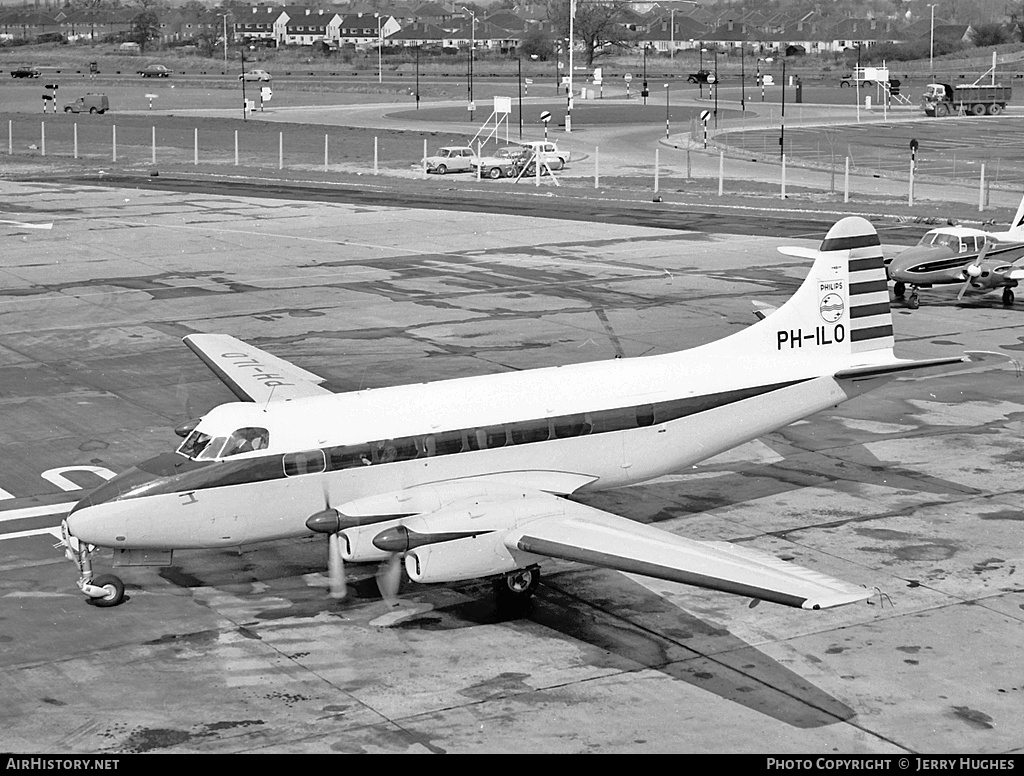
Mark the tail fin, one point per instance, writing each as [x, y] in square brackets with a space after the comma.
[841, 311]
[1017, 224]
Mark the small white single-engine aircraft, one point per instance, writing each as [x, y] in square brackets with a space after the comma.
[475, 477]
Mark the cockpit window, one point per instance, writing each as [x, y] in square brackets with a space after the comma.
[246, 440]
[194, 444]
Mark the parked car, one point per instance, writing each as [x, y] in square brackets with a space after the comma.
[90, 103]
[155, 71]
[503, 163]
[255, 75]
[450, 159]
[25, 72]
[548, 152]
[700, 77]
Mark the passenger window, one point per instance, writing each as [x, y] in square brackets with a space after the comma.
[308, 462]
[496, 437]
[447, 443]
[525, 433]
[572, 426]
[349, 457]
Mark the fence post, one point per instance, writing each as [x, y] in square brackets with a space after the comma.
[113, 142]
[76, 139]
[721, 171]
[374, 154]
[783, 176]
[910, 195]
[236, 148]
[424, 159]
[280, 150]
[42, 138]
[195, 146]
[597, 167]
[657, 170]
[981, 190]
[153, 147]
[10, 137]
[846, 181]
[325, 152]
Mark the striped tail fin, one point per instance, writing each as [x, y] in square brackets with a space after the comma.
[840, 314]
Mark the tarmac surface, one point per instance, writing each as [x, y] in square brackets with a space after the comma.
[914, 489]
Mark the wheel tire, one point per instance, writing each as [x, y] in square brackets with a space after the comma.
[557, 164]
[899, 289]
[115, 591]
[494, 172]
[942, 110]
[441, 169]
[513, 592]
[92, 110]
[995, 109]
[978, 110]
[914, 302]
[1008, 296]
[67, 109]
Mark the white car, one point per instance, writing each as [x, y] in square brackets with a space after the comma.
[255, 75]
[548, 152]
[450, 159]
[504, 163]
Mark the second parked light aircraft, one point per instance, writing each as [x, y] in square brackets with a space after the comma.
[476, 477]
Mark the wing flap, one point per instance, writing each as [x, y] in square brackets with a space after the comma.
[587, 535]
[253, 374]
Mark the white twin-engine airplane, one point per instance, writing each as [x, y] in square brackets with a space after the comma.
[475, 477]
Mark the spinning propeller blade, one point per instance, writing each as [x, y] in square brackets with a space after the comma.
[973, 270]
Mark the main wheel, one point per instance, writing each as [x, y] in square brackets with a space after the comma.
[1008, 296]
[899, 289]
[115, 591]
[441, 169]
[513, 591]
[494, 172]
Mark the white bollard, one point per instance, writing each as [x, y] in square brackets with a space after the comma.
[657, 170]
[153, 148]
[424, 159]
[325, 152]
[374, 154]
[113, 142]
[280, 150]
[195, 146]
[783, 176]
[42, 138]
[846, 181]
[597, 175]
[236, 148]
[981, 190]
[721, 172]
[75, 135]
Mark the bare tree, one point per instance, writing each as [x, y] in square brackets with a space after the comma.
[597, 26]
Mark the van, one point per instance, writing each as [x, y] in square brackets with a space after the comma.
[90, 103]
[130, 48]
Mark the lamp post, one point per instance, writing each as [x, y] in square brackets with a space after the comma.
[743, 80]
[782, 126]
[644, 92]
[572, 34]
[417, 76]
[380, 59]
[931, 47]
[472, 49]
[672, 33]
[715, 87]
[667, 118]
[224, 16]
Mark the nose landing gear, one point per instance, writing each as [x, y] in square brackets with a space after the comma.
[105, 590]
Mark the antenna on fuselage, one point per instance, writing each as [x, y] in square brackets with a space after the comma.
[270, 398]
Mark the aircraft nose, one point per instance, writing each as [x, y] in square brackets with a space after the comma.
[96, 519]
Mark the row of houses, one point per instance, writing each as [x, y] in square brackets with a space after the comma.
[433, 25]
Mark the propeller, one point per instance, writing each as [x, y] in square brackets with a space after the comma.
[973, 270]
[328, 521]
[389, 578]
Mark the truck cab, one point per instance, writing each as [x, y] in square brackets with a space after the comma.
[89, 103]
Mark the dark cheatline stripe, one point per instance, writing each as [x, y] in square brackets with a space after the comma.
[860, 265]
[868, 288]
[182, 475]
[633, 566]
[859, 335]
[867, 310]
[846, 243]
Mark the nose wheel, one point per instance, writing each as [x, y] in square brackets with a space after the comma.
[105, 590]
[913, 302]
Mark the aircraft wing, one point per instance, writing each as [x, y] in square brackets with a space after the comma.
[587, 535]
[253, 374]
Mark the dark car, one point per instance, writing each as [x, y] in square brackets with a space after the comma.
[25, 72]
[700, 77]
[155, 71]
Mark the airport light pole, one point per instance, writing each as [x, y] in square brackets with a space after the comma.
[782, 126]
[472, 50]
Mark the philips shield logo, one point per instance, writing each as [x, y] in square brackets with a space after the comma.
[831, 308]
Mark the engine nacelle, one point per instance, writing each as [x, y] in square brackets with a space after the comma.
[471, 558]
[357, 543]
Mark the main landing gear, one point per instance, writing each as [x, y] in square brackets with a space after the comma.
[1008, 296]
[513, 592]
[899, 290]
[104, 590]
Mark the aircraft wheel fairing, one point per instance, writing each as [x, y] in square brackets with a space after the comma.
[115, 591]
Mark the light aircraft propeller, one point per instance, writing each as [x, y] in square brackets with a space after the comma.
[973, 270]
[328, 521]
